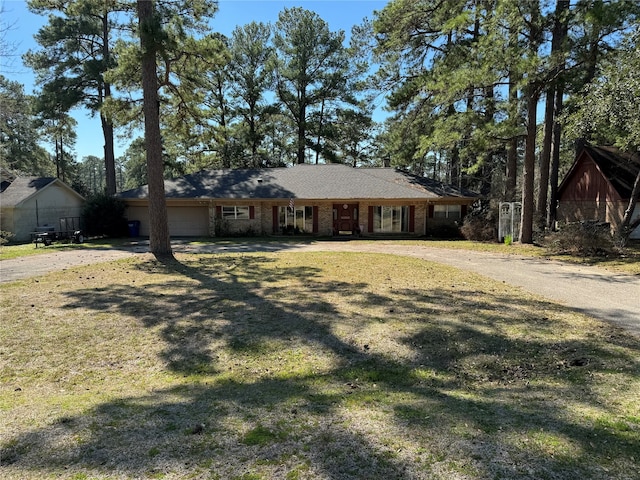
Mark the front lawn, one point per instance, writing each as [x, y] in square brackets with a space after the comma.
[307, 366]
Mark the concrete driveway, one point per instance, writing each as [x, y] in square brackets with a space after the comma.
[611, 297]
[34, 265]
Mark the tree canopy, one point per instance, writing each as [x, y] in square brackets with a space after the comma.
[19, 148]
[70, 65]
[472, 75]
[464, 83]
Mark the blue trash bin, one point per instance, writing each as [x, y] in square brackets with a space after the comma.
[134, 228]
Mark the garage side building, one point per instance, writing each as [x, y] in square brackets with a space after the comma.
[29, 203]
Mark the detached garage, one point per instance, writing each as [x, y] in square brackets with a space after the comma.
[30, 203]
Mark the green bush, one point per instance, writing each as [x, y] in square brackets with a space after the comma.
[103, 215]
[5, 237]
[222, 229]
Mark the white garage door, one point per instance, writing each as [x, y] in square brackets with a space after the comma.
[188, 221]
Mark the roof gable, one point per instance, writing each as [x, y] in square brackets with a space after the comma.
[22, 188]
[313, 182]
[619, 169]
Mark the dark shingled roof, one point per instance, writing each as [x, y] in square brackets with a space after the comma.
[312, 182]
[410, 180]
[22, 188]
[619, 168]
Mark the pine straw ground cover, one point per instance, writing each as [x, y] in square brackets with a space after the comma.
[307, 365]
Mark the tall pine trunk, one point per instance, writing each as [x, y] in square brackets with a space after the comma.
[528, 174]
[320, 132]
[511, 171]
[253, 135]
[220, 98]
[489, 163]
[554, 173]
[159, 241]
[107, 124]
[58, 157]
[302, 134]
[109, 155]
[551, 108]
[532, 95]
[545, 157]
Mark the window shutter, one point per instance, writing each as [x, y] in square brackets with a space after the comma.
[275, 219]
[463, 211]
[315, 219]
[430, 211]
[219, 211]
[412, 218]
[370, 220]
[252, 212]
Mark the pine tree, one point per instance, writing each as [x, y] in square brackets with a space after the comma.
[75, 54]
[310, 67]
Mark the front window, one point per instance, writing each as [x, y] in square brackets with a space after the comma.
[390, 219]
[235, 213]
[300, 219]
[452, 212]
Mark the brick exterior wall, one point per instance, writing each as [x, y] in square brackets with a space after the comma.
[262, 223]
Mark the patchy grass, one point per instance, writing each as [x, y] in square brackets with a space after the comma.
[627, 262]
[307, 365]
[26, 249]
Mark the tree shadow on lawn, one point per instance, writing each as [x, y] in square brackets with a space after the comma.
[470, 398]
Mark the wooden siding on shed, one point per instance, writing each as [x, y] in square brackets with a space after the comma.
[587, 183]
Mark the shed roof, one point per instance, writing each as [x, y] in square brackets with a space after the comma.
[313, 182]
[619, 168]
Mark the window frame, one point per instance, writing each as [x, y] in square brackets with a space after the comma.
[301, 218]
[236, 212]
[447, 211]
[391, 218]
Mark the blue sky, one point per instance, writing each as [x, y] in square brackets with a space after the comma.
[339, 14]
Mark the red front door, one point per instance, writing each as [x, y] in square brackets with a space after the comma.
[345, 219]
